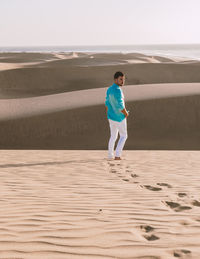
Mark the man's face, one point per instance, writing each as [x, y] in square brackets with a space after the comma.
[120, 80]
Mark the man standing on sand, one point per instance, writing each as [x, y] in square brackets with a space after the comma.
[116, 115]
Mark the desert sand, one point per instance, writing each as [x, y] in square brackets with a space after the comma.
[60, 195]
[77, 204]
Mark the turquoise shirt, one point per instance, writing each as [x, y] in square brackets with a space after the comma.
[115, 103]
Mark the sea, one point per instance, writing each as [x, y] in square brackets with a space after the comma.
[191, 51]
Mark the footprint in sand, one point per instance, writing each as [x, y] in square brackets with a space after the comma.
[113, 171]
[196, 203]
[147, 229]
[182, 194]
[181, 253]
[134, 175]
[181, 208]
[151, 188]
[164, 184]
[151, 237]
[176, 206]
[111, 164]
[124, 179]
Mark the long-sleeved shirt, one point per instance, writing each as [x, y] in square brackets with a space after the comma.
[115, 103]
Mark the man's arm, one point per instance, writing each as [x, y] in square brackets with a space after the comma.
[121, 104]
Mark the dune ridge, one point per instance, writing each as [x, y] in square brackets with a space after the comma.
[22, 107]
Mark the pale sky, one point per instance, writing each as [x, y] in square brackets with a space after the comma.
[98, 22]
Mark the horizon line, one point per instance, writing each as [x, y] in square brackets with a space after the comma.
[100, 45]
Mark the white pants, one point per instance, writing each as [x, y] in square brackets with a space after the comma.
[115, 127]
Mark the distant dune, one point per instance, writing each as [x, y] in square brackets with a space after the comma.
[36, 74]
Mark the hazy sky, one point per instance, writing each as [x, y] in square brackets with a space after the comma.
[98, 22]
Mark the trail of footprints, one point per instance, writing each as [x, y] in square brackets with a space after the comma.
[130, 177]
[119, 174]
[148, 231]
[150, 236]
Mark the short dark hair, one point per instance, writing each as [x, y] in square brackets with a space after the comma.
[117, 74]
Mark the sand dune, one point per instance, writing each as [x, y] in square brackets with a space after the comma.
[160, 123]
[26, 57]
[59, 102]
[76, 204]
[36, 74]
[22, 107]
[20, 60]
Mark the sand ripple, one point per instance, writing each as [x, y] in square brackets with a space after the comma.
[77, 204]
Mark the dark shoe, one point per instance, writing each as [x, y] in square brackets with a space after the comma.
[118, 158]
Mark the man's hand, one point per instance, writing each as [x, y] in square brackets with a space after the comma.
[125, 112]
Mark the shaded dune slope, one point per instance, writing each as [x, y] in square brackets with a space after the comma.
[169, 123]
